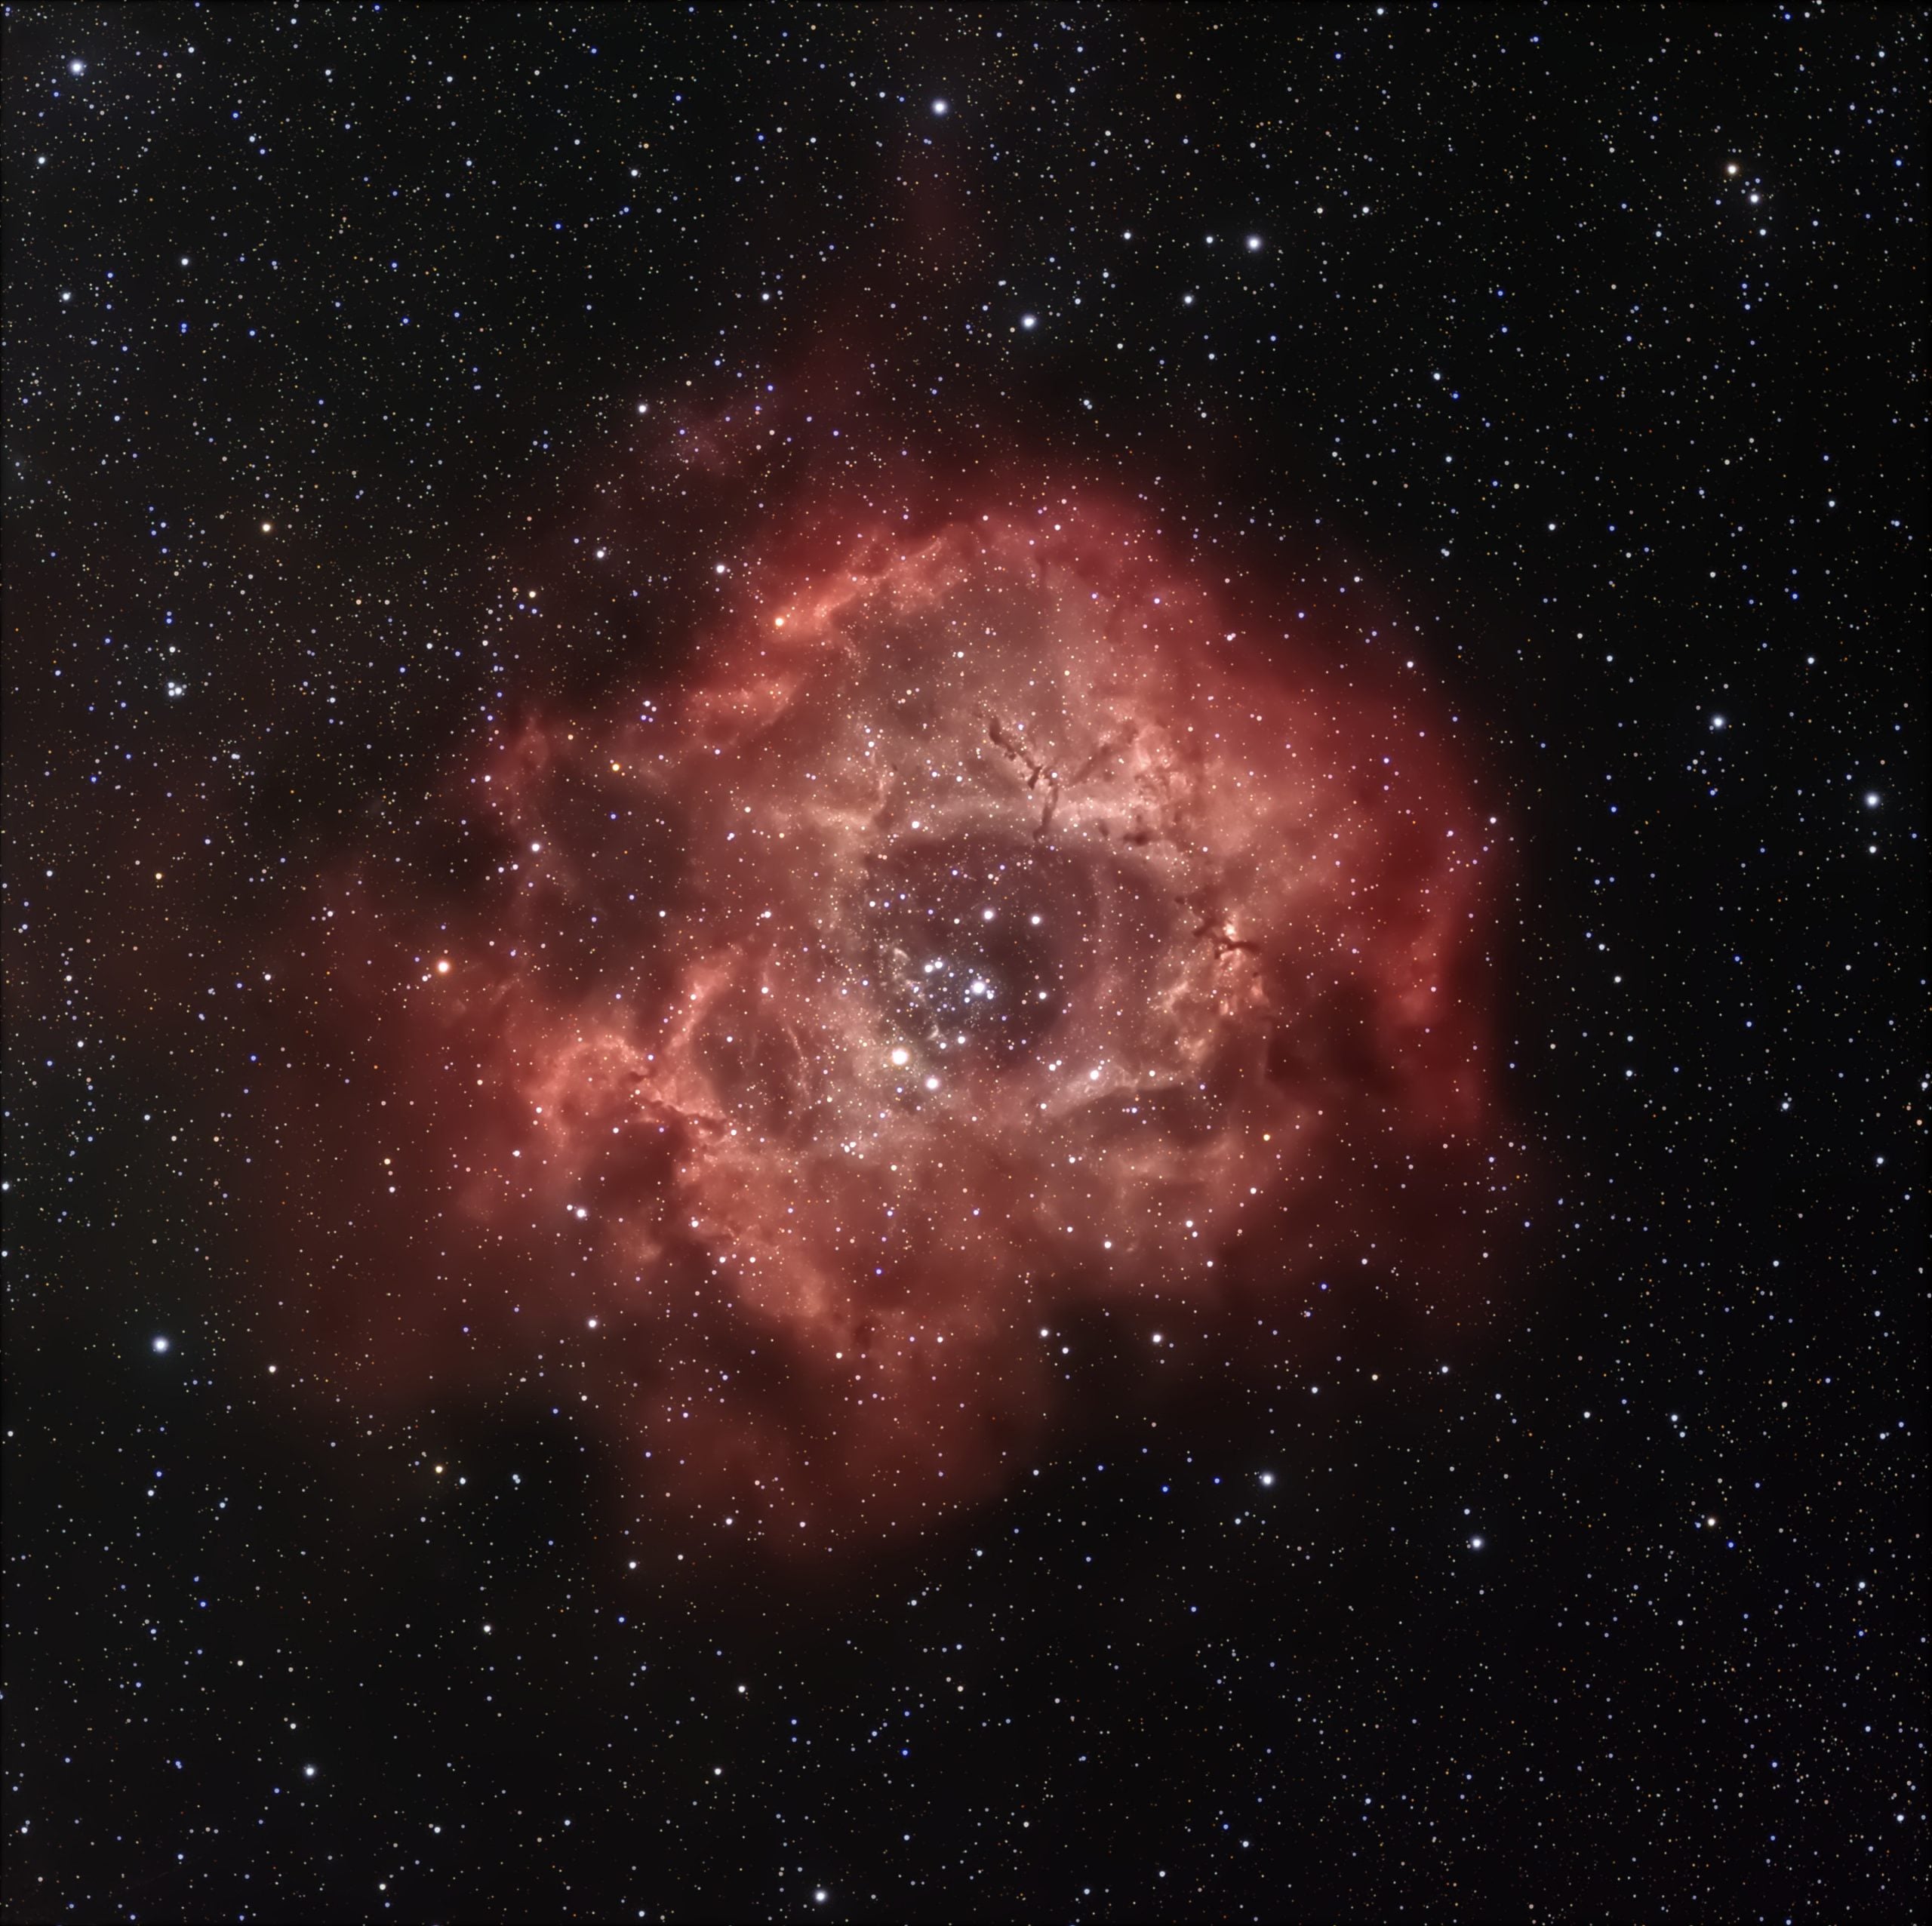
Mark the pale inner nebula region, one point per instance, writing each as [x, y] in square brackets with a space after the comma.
[980, 932]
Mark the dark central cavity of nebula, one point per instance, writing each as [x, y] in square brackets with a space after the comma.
[978, 931]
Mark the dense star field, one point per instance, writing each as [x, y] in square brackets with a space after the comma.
[964, 964]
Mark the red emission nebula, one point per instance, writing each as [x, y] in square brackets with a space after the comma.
[977, 935]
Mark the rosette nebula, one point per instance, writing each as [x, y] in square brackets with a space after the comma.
[984, 930]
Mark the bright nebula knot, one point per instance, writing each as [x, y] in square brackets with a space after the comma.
[982, 931]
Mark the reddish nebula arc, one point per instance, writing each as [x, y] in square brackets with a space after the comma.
[985, 928]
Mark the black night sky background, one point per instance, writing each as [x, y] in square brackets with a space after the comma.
[1562, 365]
